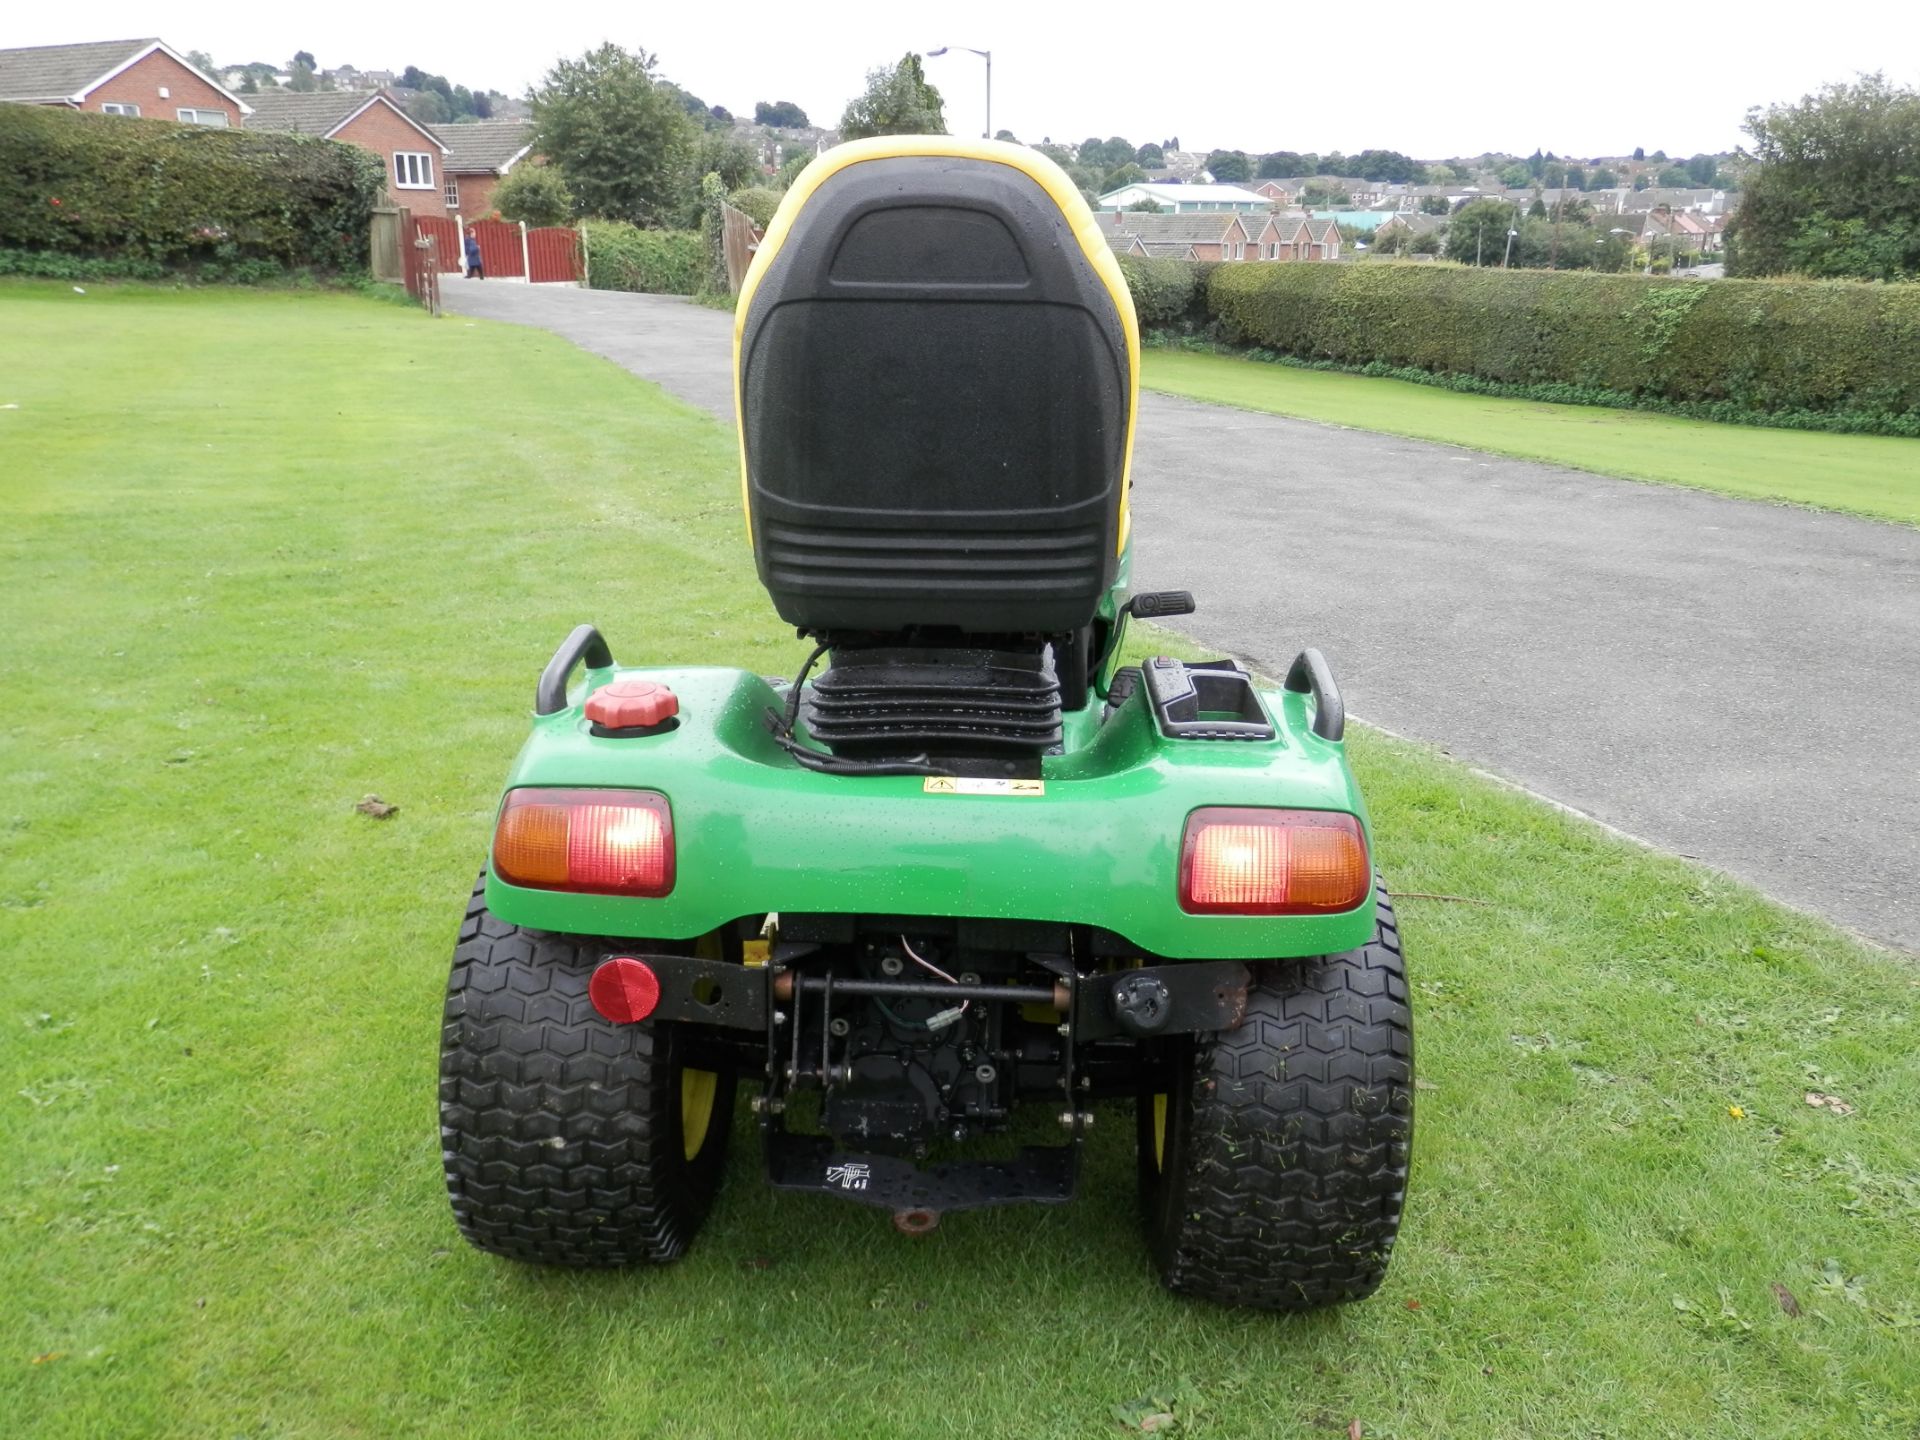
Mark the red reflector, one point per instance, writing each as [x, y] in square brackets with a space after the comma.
[1272, 862]
[599, 842]
[624, 990]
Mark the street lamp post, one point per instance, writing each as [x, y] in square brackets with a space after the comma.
[986, 55]
[1507, 259]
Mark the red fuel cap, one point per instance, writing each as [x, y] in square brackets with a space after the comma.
[624, 990]
[632, 705]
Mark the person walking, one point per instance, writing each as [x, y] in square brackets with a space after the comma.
[475, 270]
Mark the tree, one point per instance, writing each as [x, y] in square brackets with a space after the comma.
[1538, 209]
[619, 138]
[1006, 135]
[1515, 175]
[1127, 174]
[1602, 179]
[717, 153]
[1576, 178]
[302, 80]
[483, 104]
[1832, 191]
[1477, 234]
[1435, 205]
[304, 57]
[1553, 174]
[200, 60]
[1389, 166]
[1285, 164]
[1324, 195]
[1674, 176]
[1638, 153]
[1150, 156]
[534, 193]
[1702, 170]
[897, 101]
[781, 114]
[1147, 205]
[1230, 166]
[426, 106]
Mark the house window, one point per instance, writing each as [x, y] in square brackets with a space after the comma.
[412, 170]
[119, 109]
[453, 193]
[216, 118]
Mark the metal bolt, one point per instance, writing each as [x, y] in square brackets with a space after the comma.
[779, 1017]
[1086, 1082]
[967, 977]
[840, 1025]
[985, 1074]
[1062, 1030]
[891, 965]
[1071, 1118]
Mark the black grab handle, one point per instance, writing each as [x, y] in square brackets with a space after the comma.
[550, 696]
[1310, 673]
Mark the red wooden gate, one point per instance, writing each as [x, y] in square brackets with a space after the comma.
[553, 256]
[446, 241]
[500, 252]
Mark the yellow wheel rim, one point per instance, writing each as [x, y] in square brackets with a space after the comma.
[697, 1089]
[1160, 1132]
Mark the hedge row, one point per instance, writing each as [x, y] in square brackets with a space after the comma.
[1762, 346]
[102, 187]
[1168, 294]
[656, 262]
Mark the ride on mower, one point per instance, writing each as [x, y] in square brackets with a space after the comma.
[935, 902]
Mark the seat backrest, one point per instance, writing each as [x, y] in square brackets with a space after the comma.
[935, 364]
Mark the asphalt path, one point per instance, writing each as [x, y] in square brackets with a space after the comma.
[1733, 681]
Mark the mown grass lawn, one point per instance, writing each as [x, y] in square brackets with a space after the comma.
[1875, 475]
[264, 554]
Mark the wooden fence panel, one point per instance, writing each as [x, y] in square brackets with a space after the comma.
[553, 256]
[446, 241]
[739, 237]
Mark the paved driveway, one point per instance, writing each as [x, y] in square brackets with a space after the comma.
[1734, 681]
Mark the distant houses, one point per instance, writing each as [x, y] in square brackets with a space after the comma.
[139, 79]
[1226, 236]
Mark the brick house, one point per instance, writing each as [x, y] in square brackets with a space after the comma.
[1280, 194]
[478, 156]
[413, 155]
[144, 78]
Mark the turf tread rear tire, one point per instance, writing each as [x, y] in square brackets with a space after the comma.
[1287, 1145]
[560, 1131]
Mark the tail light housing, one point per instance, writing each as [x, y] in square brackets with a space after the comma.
[594, 842]
[1236, 861]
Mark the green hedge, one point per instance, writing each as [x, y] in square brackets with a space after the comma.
[1168, 295]
[105, 188]
[1761, 346]
[656, 262]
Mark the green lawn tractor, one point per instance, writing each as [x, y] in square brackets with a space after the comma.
[967, 879]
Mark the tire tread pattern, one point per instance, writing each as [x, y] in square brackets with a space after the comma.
[1289, 1193]
[560, 1131]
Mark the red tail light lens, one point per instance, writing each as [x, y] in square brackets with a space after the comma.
[1272, 862]
[598, 842]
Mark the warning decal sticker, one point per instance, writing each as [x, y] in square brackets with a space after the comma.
[972, 785]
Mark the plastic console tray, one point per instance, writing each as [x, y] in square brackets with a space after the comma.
[1210, 701]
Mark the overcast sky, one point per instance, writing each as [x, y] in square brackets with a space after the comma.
[1433, 79]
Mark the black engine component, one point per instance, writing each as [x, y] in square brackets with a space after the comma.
[889, 700]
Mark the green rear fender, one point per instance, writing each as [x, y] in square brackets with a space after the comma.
[1099, 845]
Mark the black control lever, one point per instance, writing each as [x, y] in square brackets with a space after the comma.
[1153, 604]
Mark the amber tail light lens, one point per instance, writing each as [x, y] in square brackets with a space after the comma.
[1272, 862]
[596, 842]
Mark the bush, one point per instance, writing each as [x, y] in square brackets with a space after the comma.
[1755, 345]
[1168, 295]
[535, 194]
[655, 262]
[757, 203]
[229, 201]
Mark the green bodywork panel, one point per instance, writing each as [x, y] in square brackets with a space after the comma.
[756, 832]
